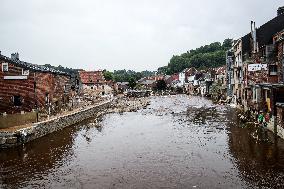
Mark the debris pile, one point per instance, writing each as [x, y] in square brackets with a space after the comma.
[121, 105]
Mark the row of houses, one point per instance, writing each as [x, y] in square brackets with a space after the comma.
[190, 81]
[26, 87]
[254, 70]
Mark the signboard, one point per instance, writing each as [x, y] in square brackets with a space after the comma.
[15, 77]
[257, 67]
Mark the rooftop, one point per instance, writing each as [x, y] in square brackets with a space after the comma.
[266, 31]
[31, 66]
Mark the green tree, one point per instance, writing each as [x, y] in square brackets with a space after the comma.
[132, 82]
[108, 75]
[161, 85]
[227, 44]
[207, 56]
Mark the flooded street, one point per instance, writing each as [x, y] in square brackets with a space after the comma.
[177, 142]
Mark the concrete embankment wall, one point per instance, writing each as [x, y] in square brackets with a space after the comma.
[37, 130]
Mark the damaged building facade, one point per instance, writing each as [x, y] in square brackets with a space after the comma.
[94, 83]
[255, 71]
[25, 87]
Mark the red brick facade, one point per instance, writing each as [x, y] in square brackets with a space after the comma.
[35, 89]
[92, 77]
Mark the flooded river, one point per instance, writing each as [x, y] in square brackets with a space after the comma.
[177, 142]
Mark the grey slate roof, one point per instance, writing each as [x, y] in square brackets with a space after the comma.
[30, 66]
[264, 33]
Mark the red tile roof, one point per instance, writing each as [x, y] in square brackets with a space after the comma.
[221, 70]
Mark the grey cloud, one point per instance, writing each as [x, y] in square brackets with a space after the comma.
[117, 34]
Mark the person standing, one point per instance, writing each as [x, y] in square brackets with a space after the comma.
[260, 120]
[265, 125]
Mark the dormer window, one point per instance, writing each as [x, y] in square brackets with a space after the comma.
[5, 67]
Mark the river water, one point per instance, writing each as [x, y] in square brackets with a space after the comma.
[177, 142]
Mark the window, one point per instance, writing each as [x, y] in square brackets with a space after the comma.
[17, 100]
[256, 94]
[5, 67]
[47, 98]
[25, 72]
[272, 70]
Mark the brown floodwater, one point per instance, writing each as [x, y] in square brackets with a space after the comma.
[177, 142]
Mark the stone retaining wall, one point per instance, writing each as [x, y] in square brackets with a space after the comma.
[37, 130]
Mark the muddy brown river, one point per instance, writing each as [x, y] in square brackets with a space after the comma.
[177, 142]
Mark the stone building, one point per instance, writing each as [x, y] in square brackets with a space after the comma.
[93, 82]
[26, 87]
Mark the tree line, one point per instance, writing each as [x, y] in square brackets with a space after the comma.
[126, 75]
[208, 56]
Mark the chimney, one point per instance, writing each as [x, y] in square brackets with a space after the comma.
[15, 56]
[253, 35]
[280, 11]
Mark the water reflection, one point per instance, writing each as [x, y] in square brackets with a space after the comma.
[36, 159]
[260, 163]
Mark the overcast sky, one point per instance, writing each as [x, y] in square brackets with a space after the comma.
[122, 34]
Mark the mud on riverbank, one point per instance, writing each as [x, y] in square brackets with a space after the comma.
[125, 104]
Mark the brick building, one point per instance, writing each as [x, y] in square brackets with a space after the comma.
[252, 62]
[93, 82]
[25, 87]
[257, 70]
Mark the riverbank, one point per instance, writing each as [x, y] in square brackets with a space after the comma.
[18, 135]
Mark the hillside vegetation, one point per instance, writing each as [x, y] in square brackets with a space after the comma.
[208, 56]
